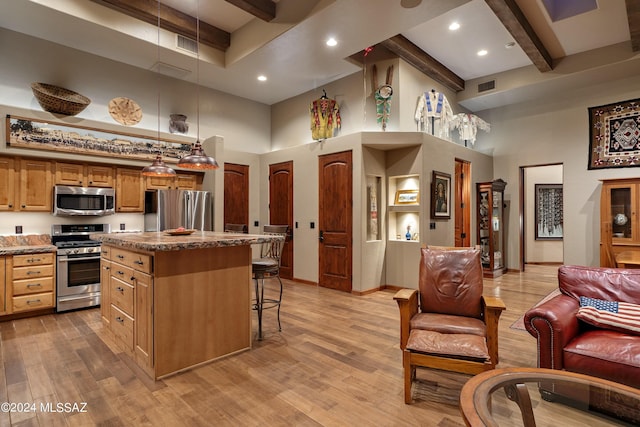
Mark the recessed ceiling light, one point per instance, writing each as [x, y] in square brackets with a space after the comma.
[262, 78]
[454, 26]
[332, 42]
[482, 52]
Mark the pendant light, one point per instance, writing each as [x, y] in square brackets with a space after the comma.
[197, 159]
[158, 168]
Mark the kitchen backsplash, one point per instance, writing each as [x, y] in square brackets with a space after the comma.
[40, 222]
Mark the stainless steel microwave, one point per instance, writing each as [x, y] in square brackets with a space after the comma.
[78, 201]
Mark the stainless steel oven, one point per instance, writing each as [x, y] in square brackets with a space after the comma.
[78, 265]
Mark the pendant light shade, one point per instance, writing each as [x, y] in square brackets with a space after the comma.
[197, 159]
[158, 168]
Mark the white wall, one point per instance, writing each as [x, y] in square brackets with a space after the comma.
[556, 130]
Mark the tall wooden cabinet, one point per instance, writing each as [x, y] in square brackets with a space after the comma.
[619, 218]
[491, 233]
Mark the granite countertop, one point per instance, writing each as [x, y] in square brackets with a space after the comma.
[26, 244]
[161, 241]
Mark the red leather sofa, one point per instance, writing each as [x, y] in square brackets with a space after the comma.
[565, 342]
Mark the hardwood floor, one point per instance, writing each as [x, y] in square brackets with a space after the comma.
[336, 362]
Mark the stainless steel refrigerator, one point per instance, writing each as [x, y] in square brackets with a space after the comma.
[168, 209]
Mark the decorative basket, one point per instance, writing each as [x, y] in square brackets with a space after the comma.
[59, 100]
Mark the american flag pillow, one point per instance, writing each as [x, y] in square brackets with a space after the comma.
[618, 316]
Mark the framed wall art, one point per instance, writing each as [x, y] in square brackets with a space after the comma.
[407, 197]
[29, 133]
[549, 211]
[440, 195]
[614, 135]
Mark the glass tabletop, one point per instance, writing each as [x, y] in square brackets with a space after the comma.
[546, 397]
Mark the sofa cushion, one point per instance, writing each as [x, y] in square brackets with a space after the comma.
[457, 346]
[605, 354]
[448, 324]
[614, 315]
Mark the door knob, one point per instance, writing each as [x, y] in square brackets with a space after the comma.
[321, 236]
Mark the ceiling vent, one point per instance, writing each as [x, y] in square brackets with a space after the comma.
[483, 87]
[185, 43]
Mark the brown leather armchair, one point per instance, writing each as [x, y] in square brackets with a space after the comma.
[565, 342]
[448, 324]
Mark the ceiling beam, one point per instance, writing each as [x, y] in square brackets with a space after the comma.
[424, 62]
[263, 9]
[633, 16]
[172, 20]
[515, 22]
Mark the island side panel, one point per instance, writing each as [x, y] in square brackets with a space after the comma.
[201, 306]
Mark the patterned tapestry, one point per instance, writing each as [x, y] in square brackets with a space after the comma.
[614, 132]
[549, 211]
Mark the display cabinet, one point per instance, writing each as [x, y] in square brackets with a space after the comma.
[491, 233]
[619, 222]
[404, 208]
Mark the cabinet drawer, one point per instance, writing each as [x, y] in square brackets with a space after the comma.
[105, 252]
[121, 295]
[122, 326]
[32, 272]
[32, 302]
[32, 259]
[140, 262]
[32, 286]
[121, 272]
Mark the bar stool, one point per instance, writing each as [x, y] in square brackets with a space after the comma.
[268, 266]
[236, 228]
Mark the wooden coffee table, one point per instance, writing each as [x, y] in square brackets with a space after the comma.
[502, 397]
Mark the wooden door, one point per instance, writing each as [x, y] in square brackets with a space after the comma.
[70, 174]
[7, 186]
[462, 204]
[335, 221]
[99, 176]
[281, 209]
[129, 190]
[36, 185]
[236, 194]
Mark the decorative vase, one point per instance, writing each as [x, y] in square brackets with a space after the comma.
[178, 123]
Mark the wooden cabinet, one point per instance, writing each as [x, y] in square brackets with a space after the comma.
[7, 184]
[129, 190]
[36, 184]
[31, 282]
[127, 312]
[83, 175]
[105, 284]
[619, 218]
[3, 285]
[491, 233]
[181, 181]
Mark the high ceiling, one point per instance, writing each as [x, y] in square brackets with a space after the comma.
[284, 40]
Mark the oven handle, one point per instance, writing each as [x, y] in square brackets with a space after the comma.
[67, 259]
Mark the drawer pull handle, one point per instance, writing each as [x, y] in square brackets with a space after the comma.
[33, 301]
[34, 260]
[33, 272]
[121, 256]
[120, 272]
[119, 319]
[106, 267]
[138, 262]
[120, 289]
[34, 285]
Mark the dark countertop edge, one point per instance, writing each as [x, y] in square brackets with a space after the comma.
[128, 240]
[27, 249]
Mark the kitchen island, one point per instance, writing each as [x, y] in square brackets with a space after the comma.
[175, 302]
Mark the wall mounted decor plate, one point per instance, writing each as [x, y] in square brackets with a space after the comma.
[614, 133]
[125, 111]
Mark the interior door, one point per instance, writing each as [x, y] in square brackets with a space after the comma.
[335, 221]
[281, 209]
[236, 194]
[462, 204]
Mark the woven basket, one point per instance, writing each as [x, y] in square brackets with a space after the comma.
[59, 100]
